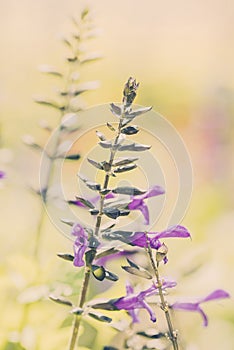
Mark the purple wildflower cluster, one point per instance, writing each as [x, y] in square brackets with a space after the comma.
[91, 252]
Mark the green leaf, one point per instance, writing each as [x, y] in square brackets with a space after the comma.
[61, 300]
[68, 222]
[94, 211]
[137, 112]
[95, 164]
[92, 185]
[105, 144]
[77, 311]
[123, 236]
[49, 103]
[107, 252]
[110, 126]
[72, 156]
[112, 213]
[91, 57]
[98, 272]
[123, 169]
[89, 256]
[84, 201]
[50, 70]
[124, 161]
[131, 191]
[67, 257]
[101, 136]
[116, 110]
[137, 272]
[152, 335]
[135, 147]
[130, 130]
[99, 317]
[111, 276]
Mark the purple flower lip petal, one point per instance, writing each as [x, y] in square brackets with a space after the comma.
[80, 245]
[138, 203]
[195, 306]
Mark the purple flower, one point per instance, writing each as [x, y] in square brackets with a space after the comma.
[139, 238]
[2, 174]
[138, 203]
[195, 306]
[80, 244]
[132, 301]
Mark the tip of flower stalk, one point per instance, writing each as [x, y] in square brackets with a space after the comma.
[129, 92]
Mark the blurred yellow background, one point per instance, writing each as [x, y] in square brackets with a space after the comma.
[182, 54]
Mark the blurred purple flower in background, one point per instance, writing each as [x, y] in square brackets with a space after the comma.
[138, 203]
[80, 245]
[2, 174]
[195, 306]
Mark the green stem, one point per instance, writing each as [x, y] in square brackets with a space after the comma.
[164, 305]
[85, 285]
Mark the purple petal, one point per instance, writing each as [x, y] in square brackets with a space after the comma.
[152, 192]
[139, 239]
[145, 212]
[135, 204]
[129, 288]
[185, 306]
[80, 244]
[150, 311]
[79, 251]
[217, 294]
[174, 231]
[204, 317]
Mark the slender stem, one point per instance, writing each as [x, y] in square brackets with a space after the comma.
[85, 285]
[164, 305]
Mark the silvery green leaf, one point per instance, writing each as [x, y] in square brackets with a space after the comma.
[68, 222]
[94, 211]
[136, 147]
[49, 103]
[112, 213]
[137, 112]
[137, 272]
[63, 148]
[91, 57]
[108, 228]
[111, 276]
[105, 191]
[45, 68]
[119, 235]
[69, 120]
[67, 257]
[151, 334]
[130, 130]
[122, 169]
[107, 252]
[73, 156]
[105, 144]
[92, 185]
[116, 110]
[124, 161]
[72, 59]
[131, 191]
[95, 164]
[124, 212]
[98, 272]
[67, 42]
[101, 136]
[100, 317]
[87, 86]
[119, 204]
[110, 126]
[84, 201]
[77, 311]
[61, 300]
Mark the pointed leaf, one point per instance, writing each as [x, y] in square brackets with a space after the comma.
[135, 271]
[152, 335]
[99, 317]
[61, 300]
[108, 228]
[107, 253]
[50, 70]
[124, 161]
[130, 130]
[68, 222]
[101, 136]
[116, 110]
[94, 212]
[91, 57]
[111, 276]
[105, 144]
[131, 191]
[92, 185]
[110, 126]
[84, 201]
[123, 169]
[67, 257]
[132, 264]
[72, 156]
[77, 311]
[98, 272]
[49, 103]
[112, 213]
[95, 164]
[136, 147]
